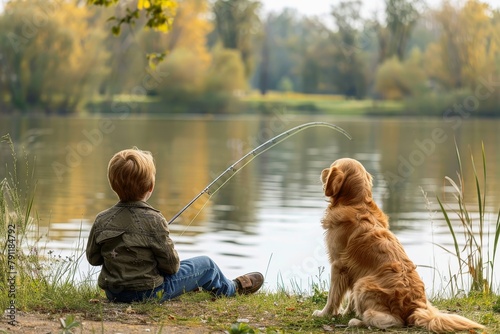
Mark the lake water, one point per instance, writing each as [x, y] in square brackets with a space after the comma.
[267, 218]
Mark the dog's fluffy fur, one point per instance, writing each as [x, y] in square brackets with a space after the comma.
[368, 261]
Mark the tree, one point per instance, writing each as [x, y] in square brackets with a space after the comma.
[127, 62]
[66, 72]
[402, 15]
[225, 78]
[469, 46]
[185, 82]
[158, 14]
[155, 14]
[396, 80]
[316, 52]
[280, 50]
[304, 54]
[227, 73]
[236, 23]
[188, 30]
[188, 60]
[348, 73]
[197, 80]
[264, 67]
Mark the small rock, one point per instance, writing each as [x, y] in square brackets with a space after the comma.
[129, 310]
[243, 320]
[328, 328]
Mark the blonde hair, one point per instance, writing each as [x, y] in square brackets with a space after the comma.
[131, 174]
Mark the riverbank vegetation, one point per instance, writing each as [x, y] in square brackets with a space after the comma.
[209, 57]
[477, 259]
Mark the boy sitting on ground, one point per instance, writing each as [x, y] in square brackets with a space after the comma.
[131, 241]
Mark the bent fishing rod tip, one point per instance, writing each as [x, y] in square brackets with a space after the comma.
[255, 153]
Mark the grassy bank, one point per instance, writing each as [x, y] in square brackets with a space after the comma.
[450, 104]
[254, 104]
[315, 103]
[200, 313]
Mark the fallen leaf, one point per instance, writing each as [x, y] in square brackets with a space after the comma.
[290, 308]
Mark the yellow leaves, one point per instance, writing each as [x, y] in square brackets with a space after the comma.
[469, 44]
[169, 6]
[191, 28]
[163, 27]
[73, 59]
[159, 14]
[142, 4]
[168, 9]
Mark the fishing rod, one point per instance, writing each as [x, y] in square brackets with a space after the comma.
[223, 178]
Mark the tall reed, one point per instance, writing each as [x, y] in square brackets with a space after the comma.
[41, 278]
[475, 260]
[15, 219]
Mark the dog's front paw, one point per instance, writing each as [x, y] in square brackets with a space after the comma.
[319, 313]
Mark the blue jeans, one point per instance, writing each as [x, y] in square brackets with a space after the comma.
[194, 273]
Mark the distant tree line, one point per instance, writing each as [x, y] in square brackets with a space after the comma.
[200, 56]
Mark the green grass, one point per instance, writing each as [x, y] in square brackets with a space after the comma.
[266, 313]
[316, 103]
[261, 312]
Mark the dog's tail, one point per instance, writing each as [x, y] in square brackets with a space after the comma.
[434, 320]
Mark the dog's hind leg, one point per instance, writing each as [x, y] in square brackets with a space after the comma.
[380, 320]
[356, 323]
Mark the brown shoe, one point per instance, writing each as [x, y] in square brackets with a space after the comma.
[248, 283]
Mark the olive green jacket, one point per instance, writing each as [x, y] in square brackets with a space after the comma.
[131, 241]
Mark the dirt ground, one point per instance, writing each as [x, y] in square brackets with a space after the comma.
[123, 324]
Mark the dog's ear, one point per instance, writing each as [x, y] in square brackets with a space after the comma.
[332, 179]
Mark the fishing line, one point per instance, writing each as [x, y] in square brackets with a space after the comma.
[232, 170]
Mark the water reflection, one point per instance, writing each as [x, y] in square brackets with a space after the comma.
[267, 217]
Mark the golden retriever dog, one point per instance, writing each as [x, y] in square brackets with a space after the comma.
[369, 262]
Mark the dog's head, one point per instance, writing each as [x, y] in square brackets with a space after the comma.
[348, 181]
